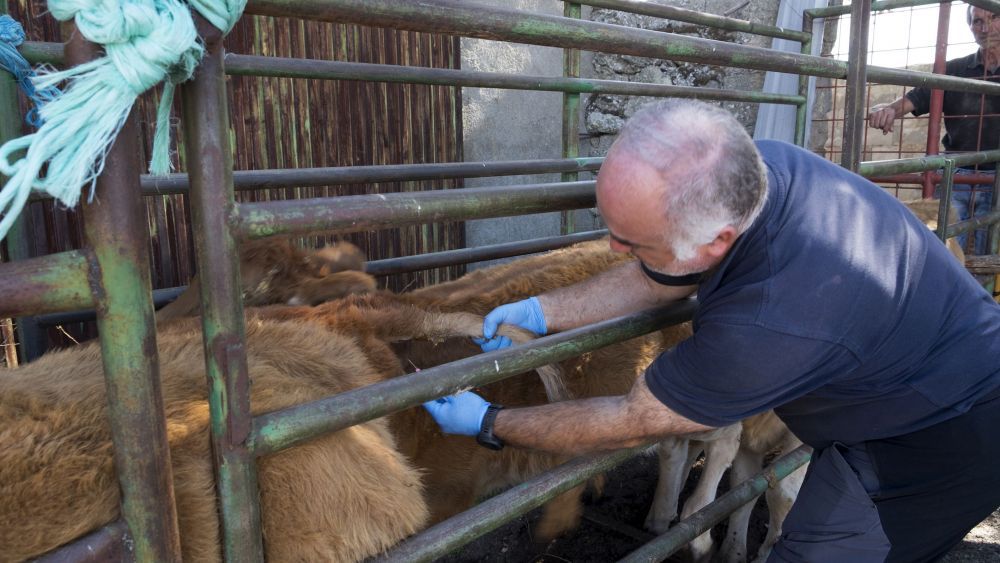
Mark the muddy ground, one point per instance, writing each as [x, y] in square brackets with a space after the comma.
[612, 528]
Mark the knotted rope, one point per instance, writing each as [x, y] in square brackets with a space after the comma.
[11, 36]
[145, 43]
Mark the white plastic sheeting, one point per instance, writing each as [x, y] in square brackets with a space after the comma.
[777, 121]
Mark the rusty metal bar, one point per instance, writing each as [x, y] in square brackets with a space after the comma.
[570, 116]
[857, 87]
[648, 8]
[210, 164]
[160, 298]
[970, 225]
[106, 545]
[881, 5]
[366, 212]
[470, 255]
[56, 282]
[281, 429]
[937, 96]
[384, 267]
[944, 208]
[699, 522]
[252, 65]
[494, 512]
[460, 18]
[298, 177]
[921, 163]
[116, 230]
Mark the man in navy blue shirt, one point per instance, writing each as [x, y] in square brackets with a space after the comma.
[821, 297]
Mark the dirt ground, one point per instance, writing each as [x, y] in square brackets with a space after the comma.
[612, 528]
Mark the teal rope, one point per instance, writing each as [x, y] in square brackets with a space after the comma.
[11, 36]
[145, 42]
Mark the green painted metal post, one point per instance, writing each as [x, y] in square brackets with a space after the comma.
[570, 116]
[116, 230]
[801, 117]
[944, 208]
[993, 235]
[857, 85]
[210, 168]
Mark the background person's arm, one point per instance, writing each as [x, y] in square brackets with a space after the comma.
[882, 116]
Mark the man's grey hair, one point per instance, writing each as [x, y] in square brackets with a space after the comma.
[711, 165]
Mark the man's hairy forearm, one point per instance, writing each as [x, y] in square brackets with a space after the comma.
[619, 291]
[587, 425]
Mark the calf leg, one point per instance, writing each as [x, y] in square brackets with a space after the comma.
[719, 455]
[780, 500]
[734, 547]
[560, 515]
[674, 465]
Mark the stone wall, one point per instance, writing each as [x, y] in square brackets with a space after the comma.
[604, 114]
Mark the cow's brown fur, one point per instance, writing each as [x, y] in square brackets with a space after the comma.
[458, 471]
[927, 211]
[341, 497]
[273, 271]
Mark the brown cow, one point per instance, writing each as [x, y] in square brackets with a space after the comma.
[457, 471]
[273, 271]
[340, 497]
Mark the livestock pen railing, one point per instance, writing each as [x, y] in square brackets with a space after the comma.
[110, 275]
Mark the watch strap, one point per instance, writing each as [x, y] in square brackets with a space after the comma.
[486, 438]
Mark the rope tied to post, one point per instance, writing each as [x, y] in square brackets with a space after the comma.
[145, 42]
[11, 36]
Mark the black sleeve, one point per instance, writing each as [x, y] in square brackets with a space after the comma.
[921, 99]
[663, 279]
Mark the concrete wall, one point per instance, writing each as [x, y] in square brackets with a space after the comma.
[516, 125]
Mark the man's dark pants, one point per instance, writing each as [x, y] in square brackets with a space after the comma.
[905, 499]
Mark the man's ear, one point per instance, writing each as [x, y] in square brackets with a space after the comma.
[722, 242]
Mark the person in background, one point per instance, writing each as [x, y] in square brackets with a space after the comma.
[820, 297]
[971, 121]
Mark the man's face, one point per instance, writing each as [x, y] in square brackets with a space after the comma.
[630, 200]
[985, 28]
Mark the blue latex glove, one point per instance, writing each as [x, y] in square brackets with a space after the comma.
[459, 414]
[526, 314]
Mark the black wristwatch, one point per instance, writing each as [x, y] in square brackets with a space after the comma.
[485, 437]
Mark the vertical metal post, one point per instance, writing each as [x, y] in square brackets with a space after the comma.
[944, 207]
[937, 96]
[993, 234]
[116, 230]
[800, 110]
[19, 237]
[857, 78]
[571, 116]
[210, 166]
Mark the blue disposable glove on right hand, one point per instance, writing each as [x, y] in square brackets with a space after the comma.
[526, 314]
[459, 414]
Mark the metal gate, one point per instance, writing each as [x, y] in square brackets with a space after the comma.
[106, 275]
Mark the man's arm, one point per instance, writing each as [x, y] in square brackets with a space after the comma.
[619, 291]
[591, 425]
[882, 116]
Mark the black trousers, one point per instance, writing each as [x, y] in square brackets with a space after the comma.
[905, 499]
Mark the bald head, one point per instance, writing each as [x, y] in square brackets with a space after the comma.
[710, 174]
